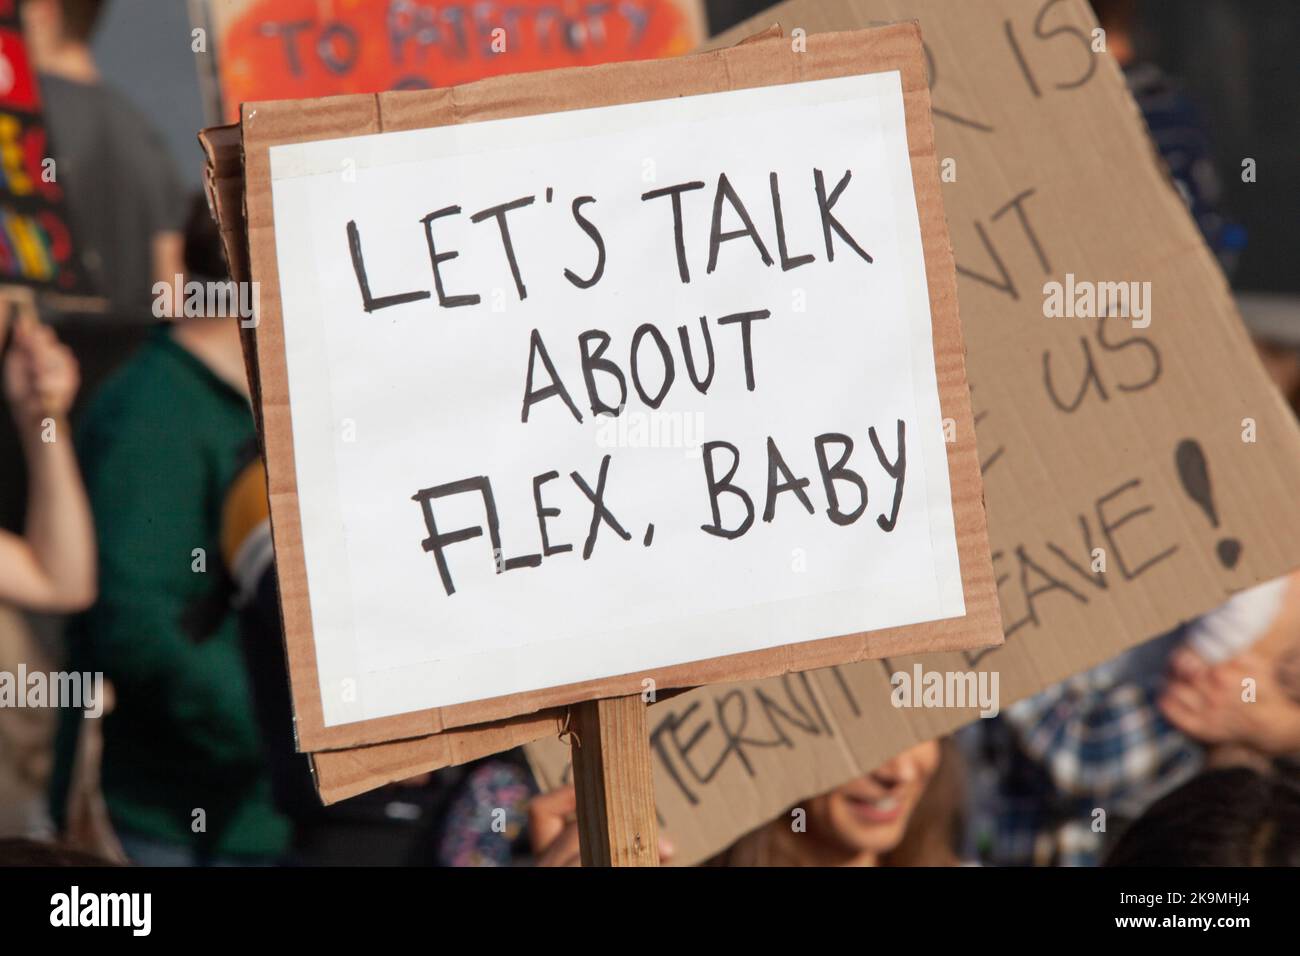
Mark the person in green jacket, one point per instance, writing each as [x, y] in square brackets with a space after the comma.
[184, 771]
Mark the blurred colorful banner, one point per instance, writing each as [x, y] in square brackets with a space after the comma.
[35, 242]
[290, 49]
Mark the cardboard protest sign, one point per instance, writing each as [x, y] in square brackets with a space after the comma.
[1118, 472]
[423, 585]
[36, 247]
[1153, 437]
[295, 49]
[1210, 388]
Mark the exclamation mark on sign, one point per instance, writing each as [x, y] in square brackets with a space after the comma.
[1194, 473]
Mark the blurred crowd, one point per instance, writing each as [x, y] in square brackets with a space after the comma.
[193, 761]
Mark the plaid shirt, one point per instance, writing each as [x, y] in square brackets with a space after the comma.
[1056, 774]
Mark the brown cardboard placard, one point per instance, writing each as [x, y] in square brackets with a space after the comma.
[1103, 201]
[754, 65]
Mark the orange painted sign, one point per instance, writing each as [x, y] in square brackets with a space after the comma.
[291, 49]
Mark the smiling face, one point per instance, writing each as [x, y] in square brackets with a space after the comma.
[868, 815]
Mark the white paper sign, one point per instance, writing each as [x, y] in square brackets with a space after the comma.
[467, 308]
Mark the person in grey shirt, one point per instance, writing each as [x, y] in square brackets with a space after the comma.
[125, 202]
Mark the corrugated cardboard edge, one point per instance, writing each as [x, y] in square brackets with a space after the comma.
[763, 62]
[223, 184]
[345, 773]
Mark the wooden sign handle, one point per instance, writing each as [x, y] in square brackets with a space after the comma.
[612, 775]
